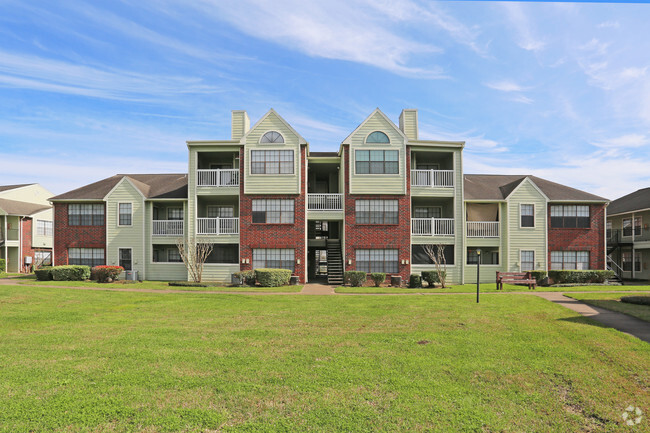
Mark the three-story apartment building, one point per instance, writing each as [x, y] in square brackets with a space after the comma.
[262, 199]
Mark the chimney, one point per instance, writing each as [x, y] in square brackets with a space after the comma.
[240, 124]
[408, 123]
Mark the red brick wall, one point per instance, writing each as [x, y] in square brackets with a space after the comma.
[26, 240]
[66, 236]
[591, 239]
[378, 236]
[252, 236]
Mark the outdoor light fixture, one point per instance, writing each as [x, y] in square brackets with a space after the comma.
[407, 262]
[403, 262]
[349, 262]
[478, 272]
[297, 261]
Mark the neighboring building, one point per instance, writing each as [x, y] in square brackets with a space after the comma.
[628, 235]
[25, 226]
[263, 200]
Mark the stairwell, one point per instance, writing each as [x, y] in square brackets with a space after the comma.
[334, 262]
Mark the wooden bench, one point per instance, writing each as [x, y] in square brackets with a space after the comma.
[518, 278]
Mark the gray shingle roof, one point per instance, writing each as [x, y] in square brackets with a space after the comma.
[629, 203]
[21, 208]
[500, 186]
[173, 185]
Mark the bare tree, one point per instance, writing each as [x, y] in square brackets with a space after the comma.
[437, 255]
[194, 255]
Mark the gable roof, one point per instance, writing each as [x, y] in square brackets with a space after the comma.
[10, 187]
[500, 186]
[381, 113]
[301, 140]
[173, 185]
[634, 201]
[21, 208]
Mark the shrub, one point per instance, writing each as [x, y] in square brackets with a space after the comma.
[431, 277]
[3, 265]
[246, 277]
[105, 274]
[273, 277]
[415, 282]
[539, 276]
[186, 284]
[70, 273]
[639, 300]
[354, 278]
[44, 273]
[579, 277]
[378, 278]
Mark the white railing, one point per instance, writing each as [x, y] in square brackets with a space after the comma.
[218, 177]
[217, 226]
[325, 202]
[167, 227]
[433, 178]
[432, 226]
[482, 229]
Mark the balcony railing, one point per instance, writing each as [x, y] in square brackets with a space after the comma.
[167, 228]
[218, 177]
[433, 178]
[482, 229]
[217, 226]
[432, 226]
[324, 202]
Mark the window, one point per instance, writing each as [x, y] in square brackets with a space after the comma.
[43, 228]
[626, 259]
[221, 212]
[173, 255]
[378, 261]
[376, 212]
[489, 256]
[125, 215]
[608, 232]
[86, 256]
[86, 214]
[420, 257]
[42, 258]
[377, 162]
[224, 253]
[427, 212]
[527, 260]
[527, 212]
[175, 213]
[272, 137]
[570, 216]
[166, 254]
[125, 258]
[637, 261]
[273, 211]
[377, 137]
[272, 161]
[279, 258]
[569, 260]
[627, 226]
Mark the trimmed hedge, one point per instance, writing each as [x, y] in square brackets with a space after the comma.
[272, 277]
[246, 277]
[378, 278]
[431, 277]
[70, 273]
[105, 274]
[639, 300]
[186, 284]
[354, 278]
[539, 276]
[580, 277]
[415, 282]
[3, 265]
[44, 273]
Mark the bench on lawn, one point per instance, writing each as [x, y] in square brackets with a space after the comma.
[518, 278]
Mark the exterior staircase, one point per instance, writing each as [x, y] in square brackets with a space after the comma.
[612, 266]
[334, 262]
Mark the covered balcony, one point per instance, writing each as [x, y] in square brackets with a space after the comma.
[217, 216]
[217, 169]
[168, 219]
[432, 217]
[325, 202]
[432, 169]
[324, 198]
[482, 220]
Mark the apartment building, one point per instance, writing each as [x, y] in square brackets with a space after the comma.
[262, 199]
[25, 226]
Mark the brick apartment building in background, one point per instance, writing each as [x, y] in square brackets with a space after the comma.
[262, 199]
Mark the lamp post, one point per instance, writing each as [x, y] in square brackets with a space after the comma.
[478, 272]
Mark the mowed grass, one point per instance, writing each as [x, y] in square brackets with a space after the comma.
[487, 288]
[611, 301]
[91, 361]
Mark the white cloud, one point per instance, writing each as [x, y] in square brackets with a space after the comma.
[633, 73]
[522, 99]
[524, 27]
[609, 24]
[624, 141]
[506, 86]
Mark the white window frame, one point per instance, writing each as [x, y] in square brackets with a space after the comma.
[399, 166]
[118, 256]
[175, 208]
[250, 161]
[284, 141]
[118, 214]
[521, 268]
[426, 207]
[47, 231]
[521, 215]
[167, 250]
[219, 206]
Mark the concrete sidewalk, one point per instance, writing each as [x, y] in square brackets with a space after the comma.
[317, 289]
[630, 325]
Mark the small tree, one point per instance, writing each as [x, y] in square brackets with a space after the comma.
[437, 255]
[194, 255]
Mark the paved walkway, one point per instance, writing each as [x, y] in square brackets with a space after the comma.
[630, 325]
[317, 289]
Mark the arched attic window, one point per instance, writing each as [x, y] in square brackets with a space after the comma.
[377, 137]
[272, 137]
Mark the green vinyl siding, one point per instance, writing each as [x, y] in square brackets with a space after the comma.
[166, 272]
[453, 272]
[132, 236]
[219, 272]
[525, 238]
[40, 241]
[488, 273]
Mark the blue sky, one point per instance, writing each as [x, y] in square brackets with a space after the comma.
[558, 90]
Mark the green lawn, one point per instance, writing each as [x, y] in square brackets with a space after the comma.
[488, 288]
[611, 301]
[99, 361]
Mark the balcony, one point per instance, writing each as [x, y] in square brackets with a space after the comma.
[433, 178]
[325, 202]
[432, 226]
[167, 228]
[217, 226]
[218, 177]
[482, 229]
